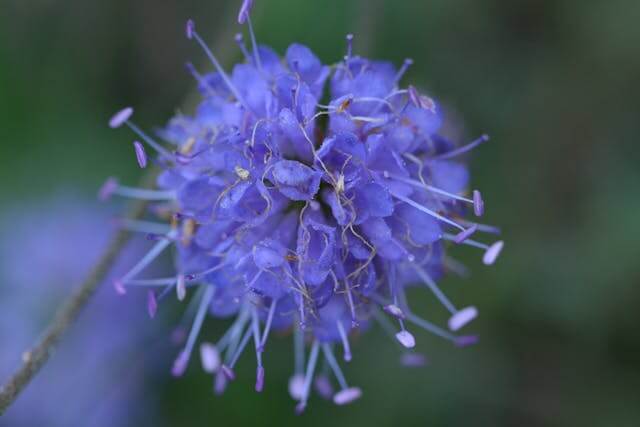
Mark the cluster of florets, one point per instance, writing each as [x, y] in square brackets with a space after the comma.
[293, 213]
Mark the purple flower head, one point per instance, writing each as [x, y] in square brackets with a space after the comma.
[292, 214]
[95, 377]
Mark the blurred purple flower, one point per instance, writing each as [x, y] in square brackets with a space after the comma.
[94, 377]
[290, 213]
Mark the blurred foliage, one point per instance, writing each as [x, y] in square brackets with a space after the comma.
[550, 80]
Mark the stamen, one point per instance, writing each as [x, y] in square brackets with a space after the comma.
[192, 33]
[463, 149]
[405, 66]
[298, 349]
[478, 203]
[210, 357]
[406, 338]
[189, 27]
[153, 253]
[464, 235]
[255, 326]
[245, 15]
[240, 41]
[347, 396]
[267, 327]
[194, 276]
[426, 210]
[119, 118]
[434, 288]
[410, 257]
[220, 383]
[180, 365]
[311, 366]
[466, 341]
[182, 155]
[141, 155]
[119, 287]
[414, 95]
[349, 46]
[335, 367]
[462, 317]
[181, 288]
[492, 253]
[245, 10]
[240, 349]
[259, 379]
[146, 138]
[108, 188]
[430, 327]
[152, 304]
[394, 310]
[143, 193]
[352, 308]
[345, 341]
[484, 228]
[142, 226]
[228, 372]
[430, 188]
[421, 101]
[151, 282]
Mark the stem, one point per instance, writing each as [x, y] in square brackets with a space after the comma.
[34, 359]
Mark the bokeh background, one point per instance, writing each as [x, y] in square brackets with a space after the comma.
[552, 82]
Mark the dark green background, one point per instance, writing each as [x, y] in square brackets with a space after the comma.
[554, 82]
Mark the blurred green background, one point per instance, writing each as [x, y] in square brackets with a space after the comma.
[551, 81]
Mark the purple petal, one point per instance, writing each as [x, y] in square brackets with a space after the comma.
[347, 395]
[120, 117]
[492, 253]
[462, 317]
[210, 357]
[296, 180]
[141, 155]
[406, 339]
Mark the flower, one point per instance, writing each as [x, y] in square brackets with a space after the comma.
[291, 213]
[94, 377]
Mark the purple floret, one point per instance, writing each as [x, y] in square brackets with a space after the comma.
[292, 212]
